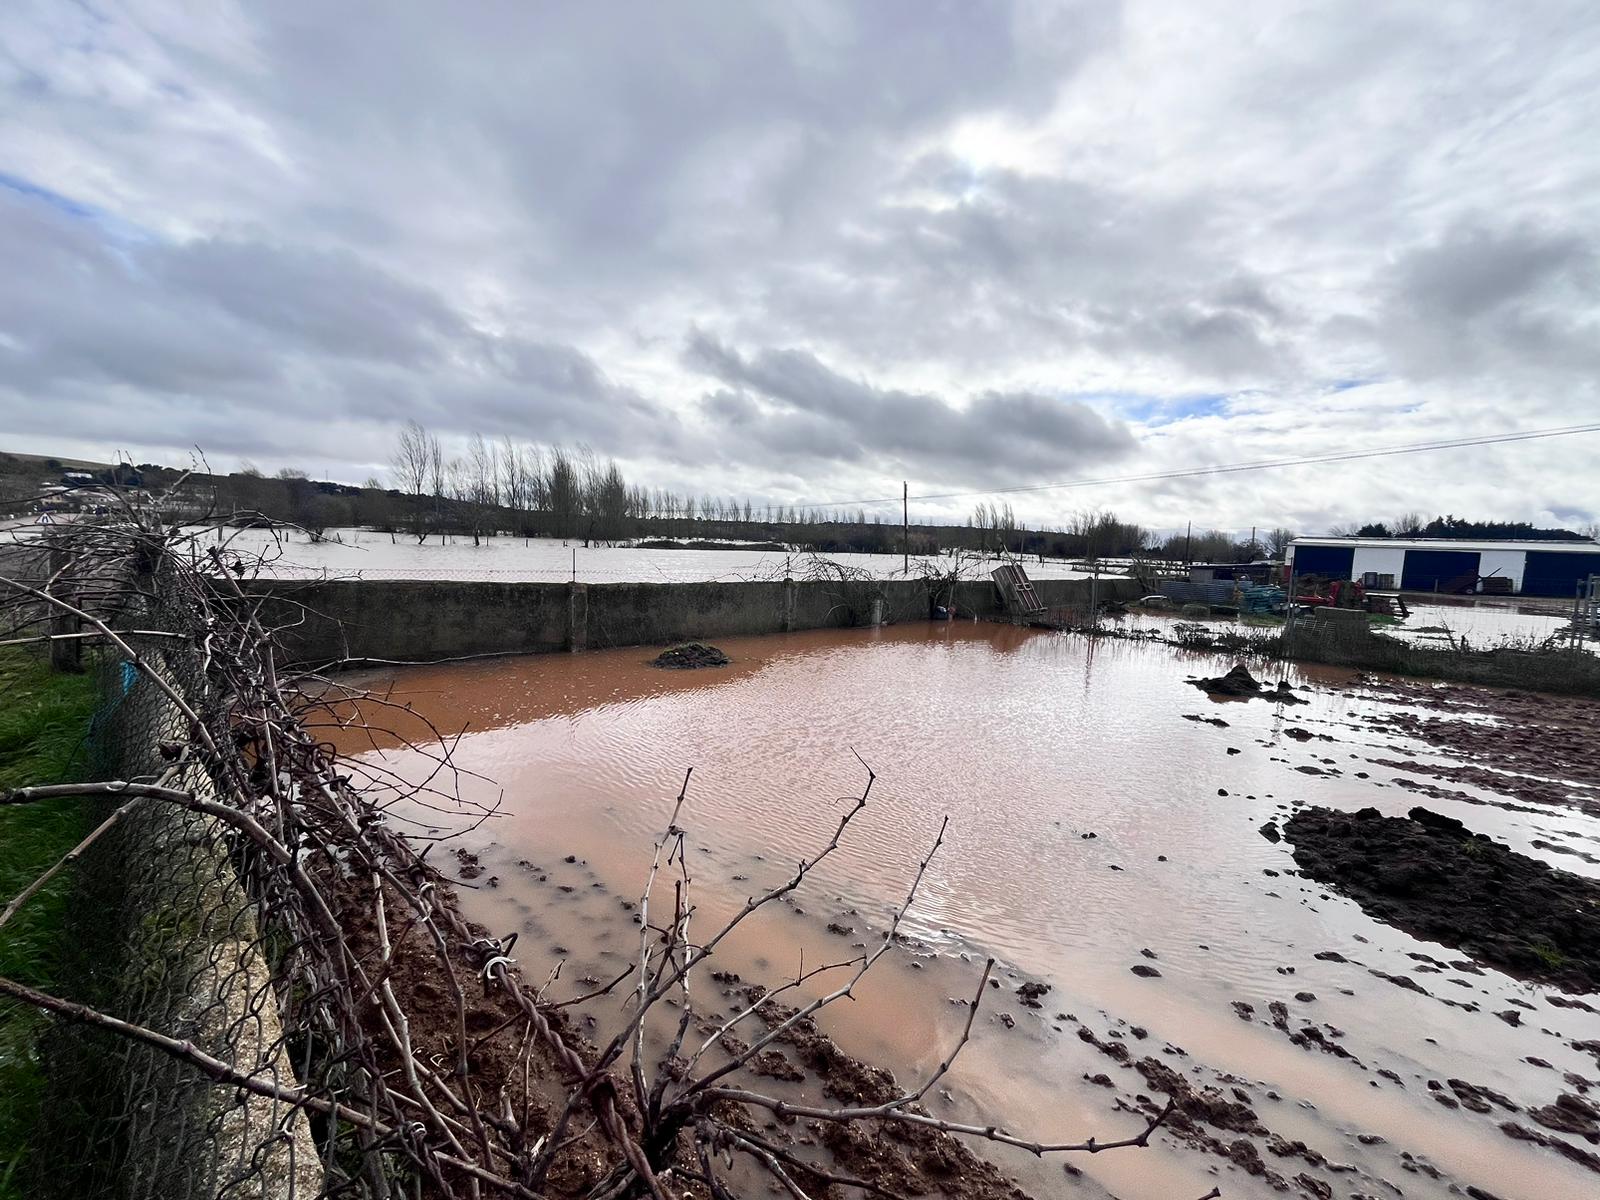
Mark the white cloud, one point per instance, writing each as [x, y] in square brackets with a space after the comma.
[1015, 243]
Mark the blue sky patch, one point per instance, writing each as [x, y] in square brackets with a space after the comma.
[23, 187]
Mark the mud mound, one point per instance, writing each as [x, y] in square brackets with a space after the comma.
[1432, 877]
[1242, 685]
[904, 1160]
[689, 656]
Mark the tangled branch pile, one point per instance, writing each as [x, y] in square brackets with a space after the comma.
[346, 1031]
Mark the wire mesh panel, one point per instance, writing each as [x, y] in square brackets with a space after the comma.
[270, 993]
[165, 935]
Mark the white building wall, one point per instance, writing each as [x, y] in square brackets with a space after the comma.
[1504, 562]
[1385, 560]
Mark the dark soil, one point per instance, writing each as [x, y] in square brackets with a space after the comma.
[1432, 877]
[495, 1060]
[909, 1160]
[1240, 684]
[1541, 745]
[691, 656]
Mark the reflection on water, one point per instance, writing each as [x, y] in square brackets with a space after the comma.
[1089, 820]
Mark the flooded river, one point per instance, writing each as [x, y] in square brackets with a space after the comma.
[1095, 826]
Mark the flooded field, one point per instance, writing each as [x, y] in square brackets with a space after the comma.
[368, 554]
[1484, 624]
[1105, 815]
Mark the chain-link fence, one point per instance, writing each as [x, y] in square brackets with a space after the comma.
[269, 993]
[163, 934]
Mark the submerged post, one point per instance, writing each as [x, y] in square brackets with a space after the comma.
[788, 605]
[577, 616]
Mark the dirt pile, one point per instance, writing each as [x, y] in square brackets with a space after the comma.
[903, 1159]
[690, 656]
[1432, 877]
[1240, 684]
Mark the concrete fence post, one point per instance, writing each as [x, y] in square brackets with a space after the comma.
[577, 616]
[877, 611]
[66, 651]
[789, 592]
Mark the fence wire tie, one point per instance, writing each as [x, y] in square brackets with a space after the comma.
[499, 960]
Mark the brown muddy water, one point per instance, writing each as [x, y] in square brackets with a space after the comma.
[1090, 821]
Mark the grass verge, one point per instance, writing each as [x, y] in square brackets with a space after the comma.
[43, 720]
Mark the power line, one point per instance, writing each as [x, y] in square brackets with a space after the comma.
[1226, 469]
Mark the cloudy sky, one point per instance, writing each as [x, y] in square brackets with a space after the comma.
[802, 251]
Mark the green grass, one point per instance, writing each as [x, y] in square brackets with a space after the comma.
[1549, 955]
[43, 720]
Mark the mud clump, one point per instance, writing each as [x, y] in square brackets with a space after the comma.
[1030, 994]
[1570, 1114]
[1241, 685]
[690, 656]
[1434, 878]
[1206, 1106]
[903, 1159]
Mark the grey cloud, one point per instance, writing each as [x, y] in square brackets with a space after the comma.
[294, 225]
[807, 409]
[226, 341]
[1475, 271]
[327, 301]
[1518, 300]
[1007, 262]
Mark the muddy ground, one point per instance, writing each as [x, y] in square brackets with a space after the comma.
[1433, 877]
[1269, 1006]
[1527, 745]
[907, 1160]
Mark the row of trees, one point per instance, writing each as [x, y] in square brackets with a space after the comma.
[1412, 525]
[526, 489]
[1221, 546]
[1088, 534]
[556, 492]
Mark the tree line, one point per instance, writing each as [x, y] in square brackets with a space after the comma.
[525, 489]
[1412, 525]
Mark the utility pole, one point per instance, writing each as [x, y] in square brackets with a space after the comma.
[905, 526]
[1188, 537]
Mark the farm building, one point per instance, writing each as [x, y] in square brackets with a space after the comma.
[1447, 565]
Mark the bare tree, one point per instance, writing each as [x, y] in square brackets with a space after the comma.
[563, 493]
[416, 463]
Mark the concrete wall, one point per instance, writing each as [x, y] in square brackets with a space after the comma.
[426, 621]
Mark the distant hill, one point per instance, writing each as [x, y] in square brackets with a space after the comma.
[45, 465]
